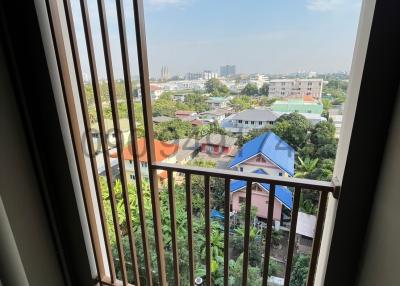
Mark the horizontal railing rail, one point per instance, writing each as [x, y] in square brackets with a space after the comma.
[322, 186]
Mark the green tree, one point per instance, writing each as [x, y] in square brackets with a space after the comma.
[305, 167]
[265, 101]
[293, 129]
[300, 270]
[207, 129]
[196, 102]
[323, 133]
[216, 87]
[165, 105]
[250, 89]
[174, 129]
[264, 90]
[324, 171]
[241, 102]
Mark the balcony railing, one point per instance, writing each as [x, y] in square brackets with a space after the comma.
[105, 264]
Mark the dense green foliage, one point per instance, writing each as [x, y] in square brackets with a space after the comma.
[264, 90]
[293, 128]
[300, 270]
[241, 102]
[217, 237]
[250, 89]
[216, 87]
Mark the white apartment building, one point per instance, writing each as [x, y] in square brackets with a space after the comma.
[296, 87]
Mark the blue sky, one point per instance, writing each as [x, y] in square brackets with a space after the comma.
[269, 36]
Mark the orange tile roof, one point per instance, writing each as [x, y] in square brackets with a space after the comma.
[154, 87]
[308, 98]
[162, 150]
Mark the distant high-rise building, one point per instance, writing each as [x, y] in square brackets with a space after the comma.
[227, 70]
[209, 75]
[164, 73]
[193, 75]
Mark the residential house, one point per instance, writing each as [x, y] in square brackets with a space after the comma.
[164, 152]
[216, 115]
[265, 154]
[247, 120]
[185, 115]
[188, 149]
[268, 152]
[218, 102]
[305, 232]
[217, 144]
[260, 198]
[155, 91]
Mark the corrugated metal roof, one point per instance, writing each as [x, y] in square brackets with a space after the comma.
[282, 194]
[272, 147]
[255, 115]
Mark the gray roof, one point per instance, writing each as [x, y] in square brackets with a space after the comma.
[255, 115]
[215, 112]
[217, 139]
[160, 119]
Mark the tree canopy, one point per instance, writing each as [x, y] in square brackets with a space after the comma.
[250, 89]
[216, 87]
[293, 128]
[264, 90]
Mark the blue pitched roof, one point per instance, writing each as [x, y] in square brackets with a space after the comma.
[283, 194]
[272, 147]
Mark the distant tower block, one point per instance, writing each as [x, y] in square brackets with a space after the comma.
[164, 73]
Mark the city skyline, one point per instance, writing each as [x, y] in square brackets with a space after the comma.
[256, 36]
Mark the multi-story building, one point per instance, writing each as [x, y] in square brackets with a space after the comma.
[164, 73]
[193, 75]
[247, 120]
[228, 70]
[296, 87]
[209, 75]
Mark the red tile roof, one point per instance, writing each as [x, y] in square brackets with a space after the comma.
[162, 150]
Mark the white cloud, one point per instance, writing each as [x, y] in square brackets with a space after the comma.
[323, 5]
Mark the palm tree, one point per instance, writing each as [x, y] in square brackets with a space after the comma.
[306, 167]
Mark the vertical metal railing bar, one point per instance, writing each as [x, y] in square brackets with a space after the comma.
[172, 214]
[246, 233]
[66, 87]
[226, 230]
[317, 238]
[268, 236]
[292, 235]
[207, 228]
[148, 123]
[118, 136]
[86, 121]
[189, 214]
[133, 134]
[100, 118]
